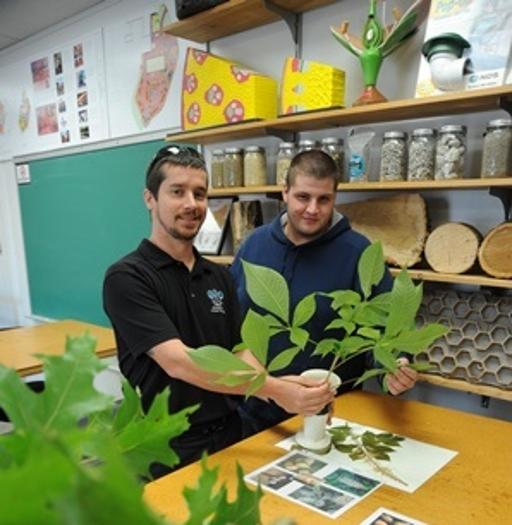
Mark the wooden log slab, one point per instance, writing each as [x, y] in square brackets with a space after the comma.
[452, 247]
[495, 254]
[399, 222]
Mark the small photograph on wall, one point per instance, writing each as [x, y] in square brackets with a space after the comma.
[62, 105]
[80, 79]
[84, 132]
[82, 116]
[59, 86]
[78, 55]
[40, 74]
[65, 136]
[82, 99]
[57, 63]
[47, 119]
[24, 112]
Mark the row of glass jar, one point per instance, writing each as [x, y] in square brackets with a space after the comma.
[237, 167]
[443, 158]
[429, 155]
[233, 166]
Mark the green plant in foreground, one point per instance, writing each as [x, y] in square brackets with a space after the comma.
[73, 458]
[383, 324]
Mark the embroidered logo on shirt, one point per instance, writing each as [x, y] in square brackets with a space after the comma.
[217, 298]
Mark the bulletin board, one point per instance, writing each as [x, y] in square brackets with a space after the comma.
[81, 213]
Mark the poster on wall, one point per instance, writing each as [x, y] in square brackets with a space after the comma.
[144, 71]
[473, 46]
[55, 98]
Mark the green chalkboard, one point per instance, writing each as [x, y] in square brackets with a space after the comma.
[81, 213]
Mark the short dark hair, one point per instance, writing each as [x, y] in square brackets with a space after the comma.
[175, 155]
[313, 163]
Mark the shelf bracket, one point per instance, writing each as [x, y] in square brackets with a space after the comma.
[285, 136]
[506, 104]
[505, 196]
[292, 20]
[484, 401]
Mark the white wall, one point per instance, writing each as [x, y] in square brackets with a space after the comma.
[14, 296]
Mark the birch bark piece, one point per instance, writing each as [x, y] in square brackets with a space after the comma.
[495, 255]
[245, 216]
[399, 222]
[452, 247]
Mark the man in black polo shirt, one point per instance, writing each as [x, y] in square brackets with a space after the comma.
[164, 299]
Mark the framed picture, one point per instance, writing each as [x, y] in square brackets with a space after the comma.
[213, 231]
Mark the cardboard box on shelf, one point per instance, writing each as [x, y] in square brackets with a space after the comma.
[308, 85]
[219, 91]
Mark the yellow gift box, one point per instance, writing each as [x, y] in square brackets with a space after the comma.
[219, 91]
[308, 85]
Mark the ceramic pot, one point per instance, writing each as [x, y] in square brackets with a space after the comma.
[314, 435]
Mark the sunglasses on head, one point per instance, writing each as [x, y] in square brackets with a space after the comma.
[176, 151]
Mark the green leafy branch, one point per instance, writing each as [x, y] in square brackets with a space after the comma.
[73, 456]
[383, 324]
[367, 446]
[209, 506]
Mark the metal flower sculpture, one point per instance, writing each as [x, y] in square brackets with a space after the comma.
[377, 42]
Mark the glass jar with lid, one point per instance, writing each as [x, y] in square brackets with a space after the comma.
[393, 160]
[497, 152]
[306, 145]
[333, 146]
[450, 152]
[233, 167]
[422, 154]
[217, 169]
[285, 154]
[255, 166]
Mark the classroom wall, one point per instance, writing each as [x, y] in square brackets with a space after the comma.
[14, 294]
[116, 41]
[265, 49]
[80, 214]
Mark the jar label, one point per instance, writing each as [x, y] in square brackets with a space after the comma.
[357, 167]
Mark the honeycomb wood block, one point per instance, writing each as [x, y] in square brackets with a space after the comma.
[452, 247]
[495, 254]
[478, 347]
[399, 222]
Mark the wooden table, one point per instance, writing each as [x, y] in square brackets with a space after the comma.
[18, 346]
[473, 488]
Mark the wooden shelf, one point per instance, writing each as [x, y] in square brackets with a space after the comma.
[224, 260]
[469, 184]
[471, 279]
[456, 103]
[243, 190]
[421, 275]
[235, 16]
[428, 185]
[464, 386]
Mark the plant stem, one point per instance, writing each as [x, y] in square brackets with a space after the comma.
[379, 468]
[373, 462]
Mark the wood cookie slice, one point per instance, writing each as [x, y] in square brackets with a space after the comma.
[495, 254]
[452, 247]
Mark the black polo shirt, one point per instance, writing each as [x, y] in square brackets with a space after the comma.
[151, 298]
